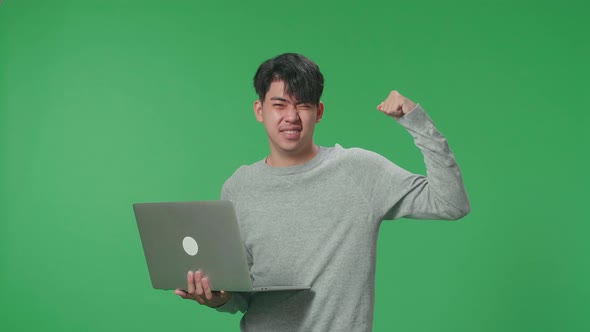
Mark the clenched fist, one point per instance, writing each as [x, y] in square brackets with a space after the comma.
[396, 105]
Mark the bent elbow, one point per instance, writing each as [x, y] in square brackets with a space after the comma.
[459, 213]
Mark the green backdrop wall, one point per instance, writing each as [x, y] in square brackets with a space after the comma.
[106, 103]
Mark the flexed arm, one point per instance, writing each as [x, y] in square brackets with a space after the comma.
[396, 193]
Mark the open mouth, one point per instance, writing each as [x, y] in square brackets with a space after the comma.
[291, 133]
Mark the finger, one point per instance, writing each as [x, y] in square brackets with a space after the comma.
[218, 293]
[380, 106]
[207, 289]
[393, 106]
[190, 282]
[389, 106]
[181, 293]
[199, 299]
[226, 296]
[396, 99]
[396, 105]
[198, 277]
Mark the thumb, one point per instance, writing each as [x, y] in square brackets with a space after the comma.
[380, 106]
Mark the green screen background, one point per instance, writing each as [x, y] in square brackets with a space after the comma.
[107, 103]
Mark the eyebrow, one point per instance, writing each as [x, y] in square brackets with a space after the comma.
[285, 100]
[280, 99]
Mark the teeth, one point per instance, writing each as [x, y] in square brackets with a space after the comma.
[291, 131]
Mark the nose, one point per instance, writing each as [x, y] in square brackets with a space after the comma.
[291, 114]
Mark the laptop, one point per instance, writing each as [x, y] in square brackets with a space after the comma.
[178, 237]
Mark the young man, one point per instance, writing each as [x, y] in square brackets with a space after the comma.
[310, 215]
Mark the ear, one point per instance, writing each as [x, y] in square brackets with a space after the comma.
[320, 112]
[258, 110]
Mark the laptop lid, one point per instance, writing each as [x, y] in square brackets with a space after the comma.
[178, 237]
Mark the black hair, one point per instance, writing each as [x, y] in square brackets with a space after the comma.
[302, 77]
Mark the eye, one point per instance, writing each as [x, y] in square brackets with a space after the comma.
[281, 106]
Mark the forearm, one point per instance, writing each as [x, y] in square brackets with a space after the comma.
[441, 193]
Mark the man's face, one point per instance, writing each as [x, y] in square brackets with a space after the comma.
[289, 124]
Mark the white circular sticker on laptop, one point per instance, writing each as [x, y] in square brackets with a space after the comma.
[190, 245]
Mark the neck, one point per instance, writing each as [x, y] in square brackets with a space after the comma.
[276, 159]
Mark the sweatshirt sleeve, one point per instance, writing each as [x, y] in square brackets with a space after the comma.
[396, 193]
[239, 300]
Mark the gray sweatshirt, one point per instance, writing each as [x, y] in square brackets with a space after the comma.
[317, 223]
